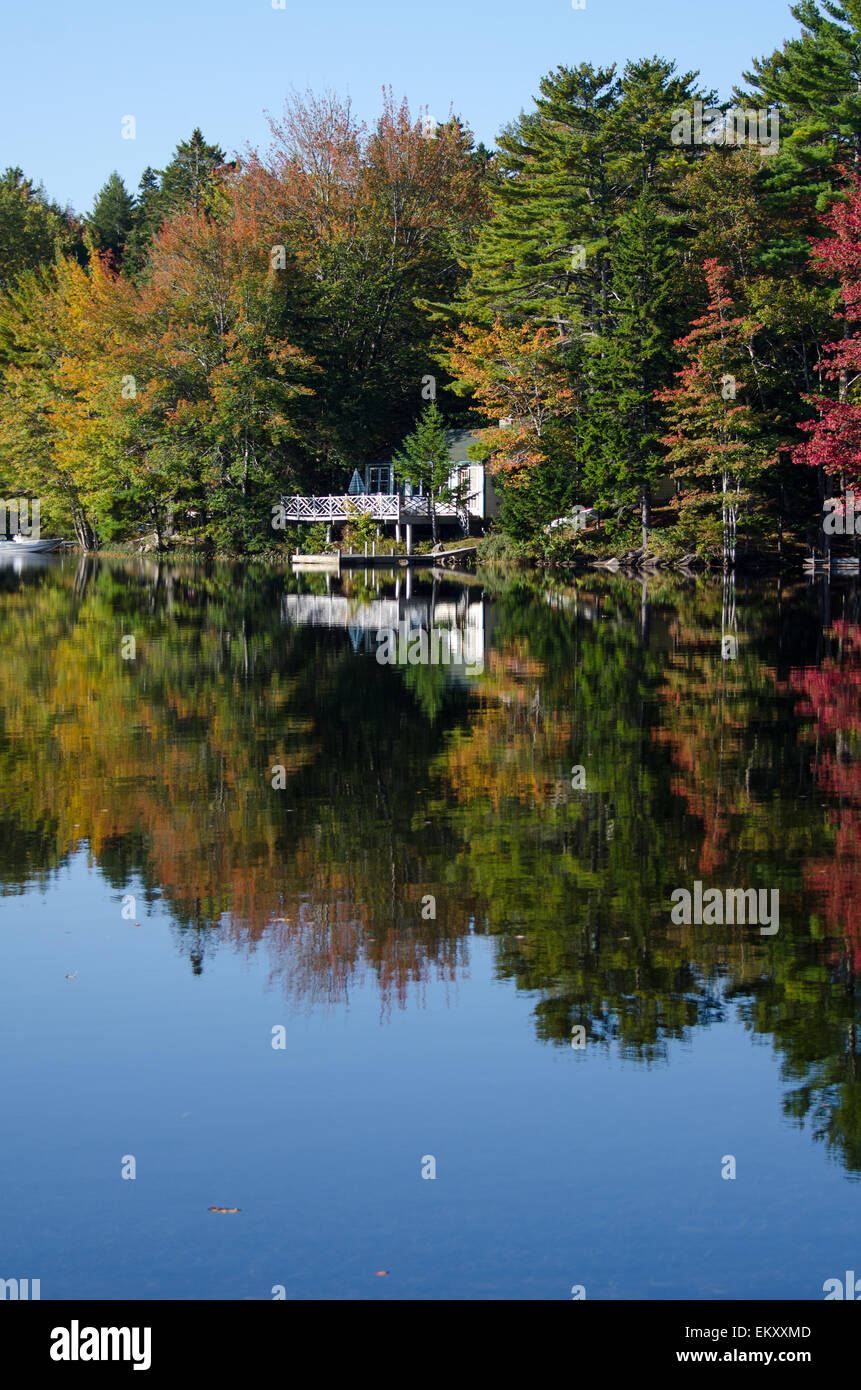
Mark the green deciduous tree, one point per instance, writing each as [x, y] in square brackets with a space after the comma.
[33, 230]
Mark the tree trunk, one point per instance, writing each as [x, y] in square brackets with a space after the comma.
[87, 538]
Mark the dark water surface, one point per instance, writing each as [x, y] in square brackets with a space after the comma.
[433, 908]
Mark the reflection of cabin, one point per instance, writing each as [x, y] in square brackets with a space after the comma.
[377, 492]
[457, 621]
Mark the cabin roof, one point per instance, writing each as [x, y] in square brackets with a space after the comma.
[459, 441]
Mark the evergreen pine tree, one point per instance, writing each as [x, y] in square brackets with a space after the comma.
[425, 460]
[564, 174]
[148, 218]
[188, 175]
[621, 426]
[539, 255]
[568, 175]
[815, 82]
[112, 218]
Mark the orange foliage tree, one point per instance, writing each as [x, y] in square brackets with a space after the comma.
[516, 375]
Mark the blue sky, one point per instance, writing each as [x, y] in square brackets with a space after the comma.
[72, 72]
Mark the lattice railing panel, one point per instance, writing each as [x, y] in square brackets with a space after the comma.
[379, 505]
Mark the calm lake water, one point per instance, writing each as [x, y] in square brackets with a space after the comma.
[284, 927]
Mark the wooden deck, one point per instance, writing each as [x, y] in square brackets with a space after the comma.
[381, 506]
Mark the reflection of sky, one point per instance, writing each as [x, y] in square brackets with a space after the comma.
[554, 1167]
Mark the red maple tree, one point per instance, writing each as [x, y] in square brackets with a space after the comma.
[834, 441]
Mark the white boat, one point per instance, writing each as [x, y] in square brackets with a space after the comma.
[30, 546]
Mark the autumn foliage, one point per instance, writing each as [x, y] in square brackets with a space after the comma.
[516, 375]
[834, 436]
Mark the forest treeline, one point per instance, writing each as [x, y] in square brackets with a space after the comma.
[641, 296]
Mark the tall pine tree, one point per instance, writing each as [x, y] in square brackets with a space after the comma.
[147, 220]
[621, 424]
[188, 176]
[425, 460]
[111, 221]
[815, 82]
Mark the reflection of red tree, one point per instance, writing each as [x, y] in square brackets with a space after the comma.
[334, 930]
[706, 798]
[706, 713]
[832, 697]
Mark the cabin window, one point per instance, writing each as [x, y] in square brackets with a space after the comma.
[380, 478]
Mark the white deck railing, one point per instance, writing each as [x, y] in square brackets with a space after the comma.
[342, 507]
[334, 610]
[382, 506]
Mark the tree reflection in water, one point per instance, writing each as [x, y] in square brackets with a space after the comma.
[406, 785]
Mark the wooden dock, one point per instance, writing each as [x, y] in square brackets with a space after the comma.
[339, 560]
[837, 564]
[333, 564]
[321, 564]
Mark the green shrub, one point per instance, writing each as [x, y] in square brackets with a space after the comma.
[496, 546]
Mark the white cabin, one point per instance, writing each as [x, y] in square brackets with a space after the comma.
[376, 491]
